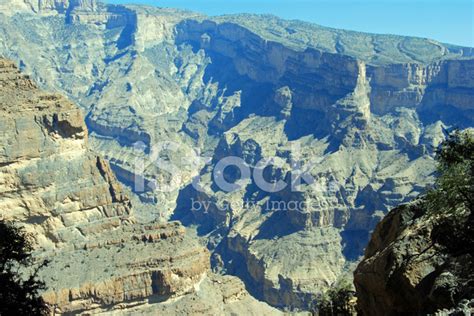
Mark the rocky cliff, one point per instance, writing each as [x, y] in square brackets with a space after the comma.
[367, 130]
[69, 199]
[100, 257]
[364, 111]
[406, 271]
[49, 7]
[420, 257]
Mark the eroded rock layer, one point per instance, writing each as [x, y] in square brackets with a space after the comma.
[364, 111]
[406, 270]
[101, 259]
[67, 196]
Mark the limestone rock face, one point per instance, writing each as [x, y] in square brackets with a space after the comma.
[162, 86]
[47, 7]
[101, 258]
[55, 186]
[404, 271]
[215, 295]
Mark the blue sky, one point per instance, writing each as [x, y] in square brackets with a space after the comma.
[449, 21]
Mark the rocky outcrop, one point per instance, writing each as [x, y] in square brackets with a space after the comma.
[372, 48]
[48, 171]
[441, 90]
[100, 257]
[128, 266]
[68, 198]
[215, 295]
[363, 112]
[405, 271]
[436, 89]
[266, 61]
[49, 7]
[351, 102]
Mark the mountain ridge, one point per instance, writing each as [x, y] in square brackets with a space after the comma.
[145, 76]
[293, 33]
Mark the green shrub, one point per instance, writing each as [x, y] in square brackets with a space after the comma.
[451, 201]
[19, 293]
[338, 301]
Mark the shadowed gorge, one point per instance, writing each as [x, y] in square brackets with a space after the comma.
[363, 112]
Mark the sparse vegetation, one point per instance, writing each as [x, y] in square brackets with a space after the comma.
[429, 242]
[451, 203]
[338, 300]
[19, 293]
[452, 199]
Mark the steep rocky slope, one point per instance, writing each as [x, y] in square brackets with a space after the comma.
[420, 257]
[100, 257]
[406, 271]
[365, 111]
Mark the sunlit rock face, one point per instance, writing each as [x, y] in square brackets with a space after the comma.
[364, 111]
[101, 258]
[68, 198]
[48, 7]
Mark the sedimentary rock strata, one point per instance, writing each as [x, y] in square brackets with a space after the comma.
[365, 111]
[405, 270]
[69, 199]
[101, 258]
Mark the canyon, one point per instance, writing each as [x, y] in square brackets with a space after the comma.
[363, 112]
[100, 258]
